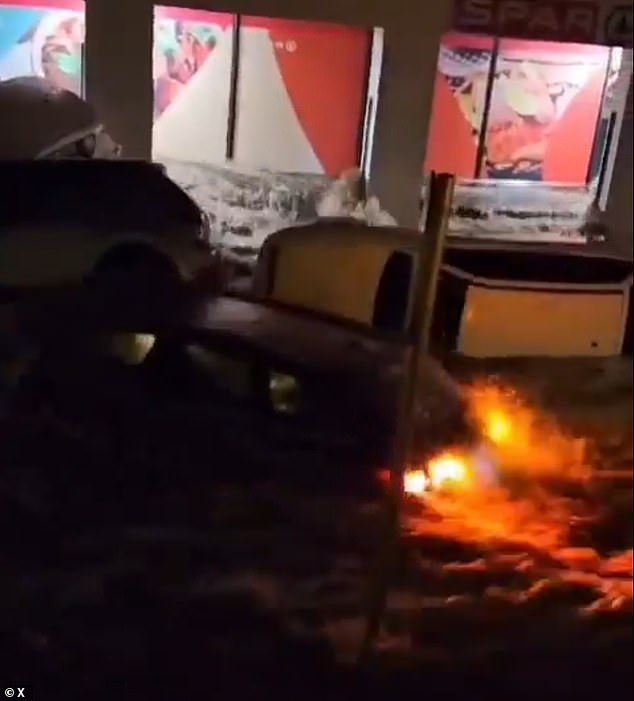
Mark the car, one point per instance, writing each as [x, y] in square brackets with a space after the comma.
[343, 268]
[41, 120]
[112, 222]
[493, 299]
[233, 385]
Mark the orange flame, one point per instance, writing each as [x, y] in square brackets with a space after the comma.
[526, 443]
[415, 482]
[526, 440]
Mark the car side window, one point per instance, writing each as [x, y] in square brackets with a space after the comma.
[285, 395]
[191, 371]
[249, 380]
[229, 374]
[392, 296]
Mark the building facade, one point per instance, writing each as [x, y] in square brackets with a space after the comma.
[400, 92]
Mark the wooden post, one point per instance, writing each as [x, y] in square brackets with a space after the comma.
[424, 284]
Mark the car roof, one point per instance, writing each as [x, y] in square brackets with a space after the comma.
[294, 338]
[121, 189]
[37, 115]
[347, 230]
[75, 167]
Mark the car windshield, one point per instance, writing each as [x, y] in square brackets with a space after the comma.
[102, 194]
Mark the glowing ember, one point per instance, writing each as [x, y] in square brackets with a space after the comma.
[526, 441]
[447, 470]
[415, 482]
[513, 494]
[532, 454]
[498, 427]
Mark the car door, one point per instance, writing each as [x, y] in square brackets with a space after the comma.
[239, 410]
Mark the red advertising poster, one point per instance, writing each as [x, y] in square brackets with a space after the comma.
[300, 91]
[193, 51]
[458, 103]
[301, 94]
[43, 38]
[543, 114]
[183, 40]
[76, 5]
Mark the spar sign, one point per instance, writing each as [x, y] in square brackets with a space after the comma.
[581, 21]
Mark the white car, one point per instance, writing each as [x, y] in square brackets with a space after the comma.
[69, 221]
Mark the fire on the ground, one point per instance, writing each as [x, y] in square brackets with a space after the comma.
[516, 439]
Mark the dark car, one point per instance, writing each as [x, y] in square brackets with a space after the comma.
[64, 222]
[236, 385]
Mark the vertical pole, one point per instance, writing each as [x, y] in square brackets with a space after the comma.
[426, 271]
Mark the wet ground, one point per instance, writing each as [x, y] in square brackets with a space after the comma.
[253, 591]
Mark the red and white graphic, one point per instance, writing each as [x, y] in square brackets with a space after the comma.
[543, 109]
[192, 78]
[300, 95]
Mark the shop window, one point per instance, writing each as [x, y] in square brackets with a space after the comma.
[543, 112]
[516, 110]
[301, 94]
[193, 53]
[282, 95]
[254, 116]
[464, 67]
[43, 38]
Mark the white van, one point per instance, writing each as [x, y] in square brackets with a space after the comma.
[341, 268]
[493, 299]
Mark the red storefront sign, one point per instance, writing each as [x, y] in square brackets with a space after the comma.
[548, 20]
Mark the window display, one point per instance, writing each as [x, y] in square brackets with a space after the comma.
[532, 115]
[254, 116]
[301, 95]
[464, 67]
[543, 111]
[43, 38]
[296, 103]
[508, 113]
[192, 69]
